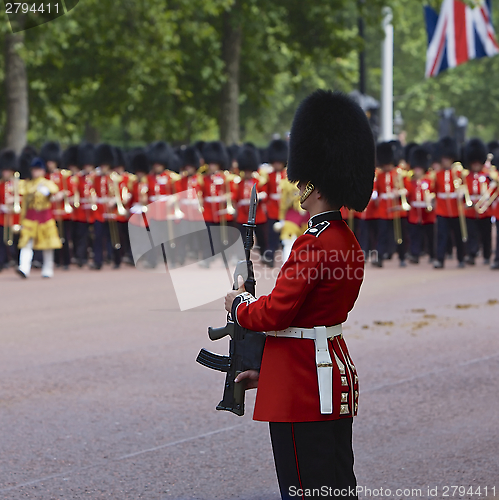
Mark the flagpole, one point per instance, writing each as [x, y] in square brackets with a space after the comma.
[387, 77]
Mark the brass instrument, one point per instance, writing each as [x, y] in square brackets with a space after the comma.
[76, 195]
[17, 198]
[64, 177]
[458, 188]
[406, 207]
[230, 208]
[116, 178]
[486, 200]
[9, 228]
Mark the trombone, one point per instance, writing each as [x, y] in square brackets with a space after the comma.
[10, 228]
[486, 200]
[461, 187]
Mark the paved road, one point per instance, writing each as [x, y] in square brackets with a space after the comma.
[100, 396]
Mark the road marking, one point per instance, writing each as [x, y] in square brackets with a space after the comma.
[124, 457]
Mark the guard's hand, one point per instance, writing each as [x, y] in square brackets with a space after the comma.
[251, 377]
[229, 298]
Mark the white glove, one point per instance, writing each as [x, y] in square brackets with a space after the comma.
[136, 209]
[44, 190]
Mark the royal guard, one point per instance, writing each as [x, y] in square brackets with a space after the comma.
[190, 202]
[248, 162]
[108, 200]
[125, 184]
[479, 225]
[392, 203]
[218, 206]
[307, 387]
[10, 207]
[366, 227]
[449, 187]
[85, 204]
[422, 215]
[38, 227]
[277, 155]
[163, 211]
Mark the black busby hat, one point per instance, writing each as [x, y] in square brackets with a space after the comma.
[70, 156]
[51, 151]
[493, 146]
[447, 148]
[85, 155]
[161, 153]
[420, 157]
[385, 154]
[105, 155]
[38, 162]
[475, 150]
[8, 160]
[139, 163]
[120, 157]
[191, 157]
[232, 151]
[407, 151]
[277, 151]
[215, 152]
[248, 159]
[175, 163]
[332, 145]
[27, 154]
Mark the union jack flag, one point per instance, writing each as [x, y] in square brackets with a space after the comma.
[460, 33]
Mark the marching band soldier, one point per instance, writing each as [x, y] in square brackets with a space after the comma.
[106, 190]
[84, 213]
[125, 184]
[422, 216]
[308, 385]
[277, 153]
[10, 207]
[390, 191]
[449, 207]
[217, 200]
[479, 224]
[248, 163]
[38, 227]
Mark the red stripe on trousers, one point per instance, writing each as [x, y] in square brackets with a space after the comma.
[296, 459]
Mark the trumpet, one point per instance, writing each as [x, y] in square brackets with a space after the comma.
[461, 186]
[64, 176]
[17, 198]
[402, 192]
[230, 207]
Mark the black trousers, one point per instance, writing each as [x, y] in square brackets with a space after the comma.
[8, 252]
[422, 237]
[479, 235]
[62, 256]
[314, 455]
[449, 226]
[102, 238]
[386, 238]
[273, 240]
[81, 232]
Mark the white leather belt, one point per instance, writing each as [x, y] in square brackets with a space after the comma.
[275, 196]
[322, 358]
[419, 204]
[446, 196]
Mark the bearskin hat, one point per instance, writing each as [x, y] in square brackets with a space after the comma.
[70, 156]
[407, 151]
[120, 157]
[191, 157]
[215, 152]
[493, 146]
[105, 155]
[139, 162]
[420, 157]
[277, 151]
[85, 154]
[248, 159]
[175, 163]
[8, 160]
[398, 150]
[27, 154]
[385, 154]
[475, 150]
[232, 151]
[447, 148]
[161, 153]
[332, 145]
[51, 151]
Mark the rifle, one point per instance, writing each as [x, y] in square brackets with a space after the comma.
[245, 346]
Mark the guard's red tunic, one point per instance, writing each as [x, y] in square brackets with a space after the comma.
[317, 286]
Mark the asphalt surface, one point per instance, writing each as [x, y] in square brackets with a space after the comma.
[100, 395]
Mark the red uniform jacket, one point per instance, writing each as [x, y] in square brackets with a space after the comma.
[85, 212]
[317, 286]
[217, 190]
[418, 191]
[104, 194]
[161, 191]
[274, 193]
[478, 184]
[242, 199]
[139, 200]
[388, 189]
[446, 194]
[7, 215]
[190, 197]
[63, 184]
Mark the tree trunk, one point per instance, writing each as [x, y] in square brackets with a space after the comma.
[91, 133]
[16, 93]
[231, 54]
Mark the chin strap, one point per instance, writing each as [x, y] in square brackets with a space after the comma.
[308, 191]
